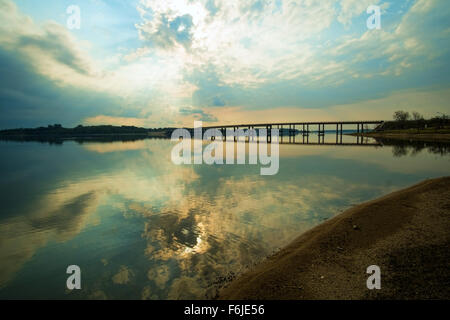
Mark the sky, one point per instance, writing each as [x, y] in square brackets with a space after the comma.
[168, 63]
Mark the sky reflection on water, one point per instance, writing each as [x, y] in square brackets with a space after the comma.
[142, 228]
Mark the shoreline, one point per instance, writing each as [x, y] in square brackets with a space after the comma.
[79, 135]
[430, 137]
[405, 233]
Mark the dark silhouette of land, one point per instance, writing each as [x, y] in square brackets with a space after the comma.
[435, 129]
[412, 147]
[402, 128]
[58, 134]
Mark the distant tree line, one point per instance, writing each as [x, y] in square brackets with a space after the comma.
[80, 130]
[415, 120]
[405, 116]
[416, 116]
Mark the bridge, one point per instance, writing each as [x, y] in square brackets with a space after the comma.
[305, 126]
[291, 129]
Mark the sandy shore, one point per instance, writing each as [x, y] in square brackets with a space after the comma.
[406, 233]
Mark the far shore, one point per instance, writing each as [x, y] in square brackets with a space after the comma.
[405, 233]
[407, 135]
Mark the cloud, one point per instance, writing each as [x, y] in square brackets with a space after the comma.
[49, 77]
[218, 102]
[271, 54]
[211, 54]
[278, 33]
[117, 121]
[50, 48]
[353, 8]
[28, 98]
[167, 34]
[123, 276]
[45, 77]
[58, 217]
[56, 43]
[182, 210]
[199, 114]
[415, 41]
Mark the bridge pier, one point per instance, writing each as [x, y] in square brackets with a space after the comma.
[321, 130]
[321, 133]
[305, 132]
[337, 133]
[292, 132]
[304, 127]
[280, 133]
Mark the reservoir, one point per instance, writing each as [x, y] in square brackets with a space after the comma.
[141, 227]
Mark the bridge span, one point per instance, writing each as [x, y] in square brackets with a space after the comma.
[292, 129]
[304, 127]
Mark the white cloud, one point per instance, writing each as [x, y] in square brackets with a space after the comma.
[410, 43]
[247, 42]
[353, 8]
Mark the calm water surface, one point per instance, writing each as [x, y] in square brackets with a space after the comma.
[140, 227]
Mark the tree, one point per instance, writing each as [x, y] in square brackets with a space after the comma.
[443, 116]
[401, 115]
[417, 116]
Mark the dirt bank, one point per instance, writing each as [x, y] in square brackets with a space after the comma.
[406, 233]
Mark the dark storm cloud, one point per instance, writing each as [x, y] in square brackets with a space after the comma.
[28, 99]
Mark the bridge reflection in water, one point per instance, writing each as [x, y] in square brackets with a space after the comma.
[297, 132]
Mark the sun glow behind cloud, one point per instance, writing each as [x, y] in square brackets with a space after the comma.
[197, 60]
